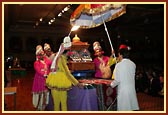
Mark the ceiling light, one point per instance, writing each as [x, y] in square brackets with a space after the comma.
[49, 23]
[66, 9]
[51, 20]
[60, 14]
[37, 23]
[41, 19]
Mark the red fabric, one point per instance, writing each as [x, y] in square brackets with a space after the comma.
[123, 46]
[96, 5]
[109, 95]
[106, 94]
[78, 11]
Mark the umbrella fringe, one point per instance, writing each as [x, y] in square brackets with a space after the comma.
[74, 17]
[98, 10]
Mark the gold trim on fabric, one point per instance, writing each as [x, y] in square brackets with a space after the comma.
[95, 11]
[98, 10]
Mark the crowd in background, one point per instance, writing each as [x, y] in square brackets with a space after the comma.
[150, 79]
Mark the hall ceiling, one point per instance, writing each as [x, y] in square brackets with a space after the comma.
[29, 14]
[138, 17]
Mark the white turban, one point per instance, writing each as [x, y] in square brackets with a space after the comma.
[67, 42]
[39, 49]
[46, 46]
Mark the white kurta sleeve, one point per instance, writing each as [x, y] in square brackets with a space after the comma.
[116, 80]
[114, 83]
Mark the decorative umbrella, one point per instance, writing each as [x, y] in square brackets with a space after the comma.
[93, 15]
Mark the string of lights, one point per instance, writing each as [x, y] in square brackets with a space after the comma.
[52, 20]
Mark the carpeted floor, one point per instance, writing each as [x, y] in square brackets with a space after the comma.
[24, 97]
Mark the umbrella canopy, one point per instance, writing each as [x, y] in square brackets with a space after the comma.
[93, 15]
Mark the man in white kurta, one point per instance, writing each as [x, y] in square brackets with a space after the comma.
[124, 79]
